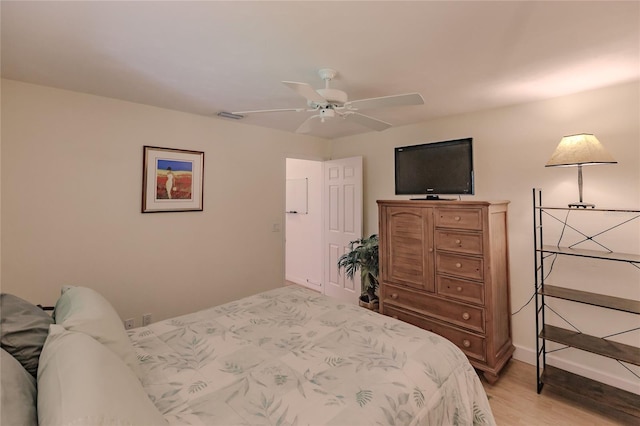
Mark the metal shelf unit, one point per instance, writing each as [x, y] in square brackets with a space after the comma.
[621, 404]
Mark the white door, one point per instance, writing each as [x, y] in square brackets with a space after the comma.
[342, 223]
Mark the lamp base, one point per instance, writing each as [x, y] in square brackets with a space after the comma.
[582, 205]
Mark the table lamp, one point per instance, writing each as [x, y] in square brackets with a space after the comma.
[579, 150]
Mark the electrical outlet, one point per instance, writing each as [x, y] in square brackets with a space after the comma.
[129, 323]
[146, 319]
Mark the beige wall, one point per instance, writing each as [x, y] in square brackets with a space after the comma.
[511, 147]
[71, 196]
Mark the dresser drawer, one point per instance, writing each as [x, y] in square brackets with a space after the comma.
[460, 266]
[459, 218]
[466, 316]
[459, 242]
[466, 291]
[472, 345]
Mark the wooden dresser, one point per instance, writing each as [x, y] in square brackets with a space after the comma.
[444, 267]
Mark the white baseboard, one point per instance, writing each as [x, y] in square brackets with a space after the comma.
[529, 356]
[303, 282]
[293, 279]
[525, 355]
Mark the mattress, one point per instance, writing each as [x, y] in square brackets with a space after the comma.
[291, 356]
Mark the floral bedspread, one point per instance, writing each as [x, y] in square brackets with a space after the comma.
[291, 356]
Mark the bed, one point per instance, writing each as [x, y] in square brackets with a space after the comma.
[288, 356]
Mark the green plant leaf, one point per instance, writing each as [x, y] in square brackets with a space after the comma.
[362, 256]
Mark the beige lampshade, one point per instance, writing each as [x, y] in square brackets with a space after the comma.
[580, 149]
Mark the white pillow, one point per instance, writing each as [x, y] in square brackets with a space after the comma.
[85, 310]
[80, 382]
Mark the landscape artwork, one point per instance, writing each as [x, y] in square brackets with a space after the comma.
[172, 180]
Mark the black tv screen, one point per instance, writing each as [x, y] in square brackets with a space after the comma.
[435, 168]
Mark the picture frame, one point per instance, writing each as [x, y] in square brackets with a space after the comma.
[172, 180]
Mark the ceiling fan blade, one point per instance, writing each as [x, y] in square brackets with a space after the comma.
[268, 110]
[386, 101]
[365, 120]
[305, 127]
[305, 90]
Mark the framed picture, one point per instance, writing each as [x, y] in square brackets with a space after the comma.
[172, 180]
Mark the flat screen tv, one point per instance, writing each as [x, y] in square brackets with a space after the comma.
[437, 168]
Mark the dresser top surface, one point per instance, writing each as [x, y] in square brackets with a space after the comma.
[443, 203]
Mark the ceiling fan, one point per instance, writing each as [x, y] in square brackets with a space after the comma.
[329, 103]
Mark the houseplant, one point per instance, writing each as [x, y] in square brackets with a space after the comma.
[363, 256]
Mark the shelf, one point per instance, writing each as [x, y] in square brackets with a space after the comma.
[588, 210]
[594, 254]
[593, 393]
[614, 402]
[617, 303]
[596, 345]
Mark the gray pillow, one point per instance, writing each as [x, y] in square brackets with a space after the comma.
[23, 329]
[18, 393]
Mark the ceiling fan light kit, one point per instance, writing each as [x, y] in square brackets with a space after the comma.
[327, 113]
[329, 103]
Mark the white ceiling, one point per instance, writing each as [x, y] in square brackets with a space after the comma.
[210, 56]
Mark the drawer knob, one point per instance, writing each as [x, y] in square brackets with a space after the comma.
[394, 295]
[457, 218]
[430, 249]
[466, 316]
[459, 288]
[466, 343]
[458, 265]
[458, 242]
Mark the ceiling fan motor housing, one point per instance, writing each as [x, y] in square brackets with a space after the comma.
[333, 96]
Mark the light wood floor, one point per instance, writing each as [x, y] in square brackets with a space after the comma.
[514, 401]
